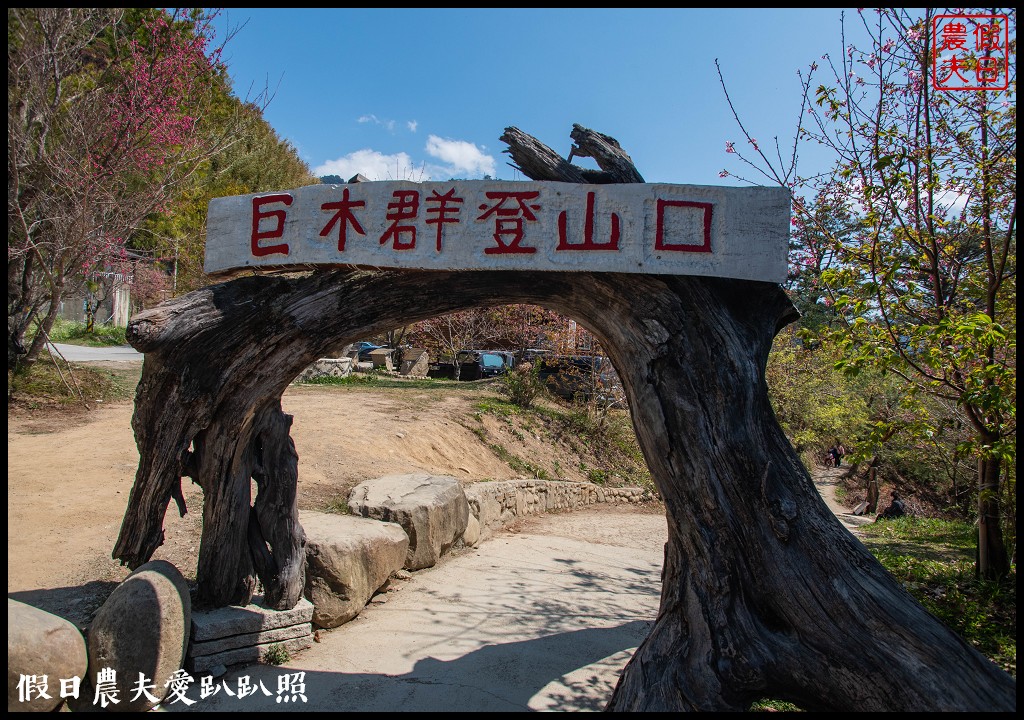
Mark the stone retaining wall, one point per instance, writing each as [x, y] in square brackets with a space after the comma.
[326, 368]
[496, 504]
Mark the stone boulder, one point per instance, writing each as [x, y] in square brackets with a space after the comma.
[383, 358]
[40, 645]
[415, 362]
[432, 509]
[348, 559]
[326, 368]
[471, 538]
[143, 627]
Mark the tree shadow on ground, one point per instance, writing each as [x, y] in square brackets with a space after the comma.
[565, 672]
[75, 604]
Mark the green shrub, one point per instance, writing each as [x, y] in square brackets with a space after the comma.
[521, 385]
[276, 655]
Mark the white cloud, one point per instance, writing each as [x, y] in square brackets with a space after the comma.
[373, 165]
[386, 124]
[948, 202]
[458, 158]
[463, 158]
[412, 125]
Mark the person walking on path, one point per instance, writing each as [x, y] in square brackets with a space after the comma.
[836, 454]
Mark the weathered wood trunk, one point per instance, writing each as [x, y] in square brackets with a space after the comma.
[536, 160]
[539, 162]
[607, 153]
[764, 592]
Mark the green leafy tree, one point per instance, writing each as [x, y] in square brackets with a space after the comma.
[824, 405]
[923, 286]
[926, 288]
[256, 160]
[812, 251]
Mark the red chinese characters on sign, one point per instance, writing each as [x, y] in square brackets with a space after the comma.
[277, 231]
[588, 243]
[679, 225]
[343, 218]
[664, 220]
[444, 210]
[405, 206]
[509, 220]
[954, 36]
[970, 52]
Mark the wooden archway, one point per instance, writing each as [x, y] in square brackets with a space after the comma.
[764, 592]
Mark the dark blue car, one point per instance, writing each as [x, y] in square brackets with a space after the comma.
[480, 364]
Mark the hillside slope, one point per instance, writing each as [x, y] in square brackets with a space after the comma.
[70, 472]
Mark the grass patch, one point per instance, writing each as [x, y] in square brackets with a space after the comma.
[276, 655]
[74, 333]
[768, 705]
[935, 561]
[377, 380]
[496, 406]
[43, 385]
[511, 459]
[608, 436]
[338, 507]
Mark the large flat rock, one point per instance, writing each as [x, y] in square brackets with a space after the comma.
[253, 618]
[348, 559]
[232, 635]
[42, 649]
[432, 509]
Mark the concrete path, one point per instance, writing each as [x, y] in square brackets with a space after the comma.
[82, 353]
[542, 619]
[539, 619]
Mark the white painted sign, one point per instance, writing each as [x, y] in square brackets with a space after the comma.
[492, 225]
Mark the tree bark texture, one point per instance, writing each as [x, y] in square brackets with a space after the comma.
[539, 162]
[765, 593]
[607, 153]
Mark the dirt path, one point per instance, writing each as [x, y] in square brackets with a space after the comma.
[69, 476]
[69, 479]
[543, 616]
[826, 480]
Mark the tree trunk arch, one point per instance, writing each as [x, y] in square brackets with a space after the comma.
[764, 593]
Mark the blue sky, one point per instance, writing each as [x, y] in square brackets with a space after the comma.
[426, 94]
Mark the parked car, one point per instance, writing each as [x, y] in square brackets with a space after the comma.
[530, 355]
[509, 358]
[479, 364]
